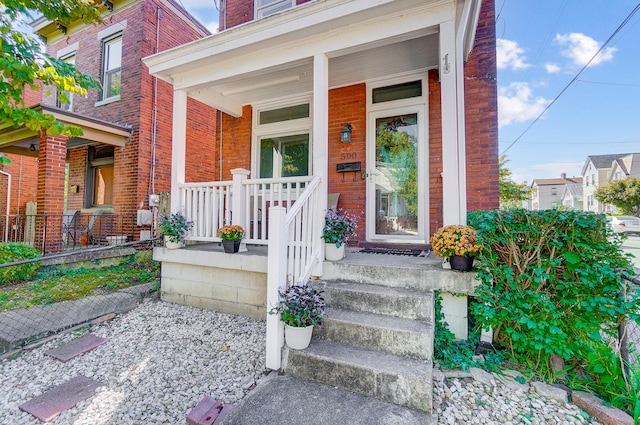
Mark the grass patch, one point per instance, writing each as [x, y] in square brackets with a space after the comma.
[57, 284]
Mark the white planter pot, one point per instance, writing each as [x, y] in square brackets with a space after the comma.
[331, 253]
[297, 338]
[171, 245]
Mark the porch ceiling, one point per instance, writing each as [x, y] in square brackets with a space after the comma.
[24, 141]
[273, 57]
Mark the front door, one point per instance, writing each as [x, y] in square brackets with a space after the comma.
[395, 186]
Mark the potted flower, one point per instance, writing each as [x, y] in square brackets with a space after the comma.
[174, 227]
[231, 234]
[301, 307]
[458, 244]
[339, 227]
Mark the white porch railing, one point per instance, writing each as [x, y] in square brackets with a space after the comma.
[211, 205]
[292, 257]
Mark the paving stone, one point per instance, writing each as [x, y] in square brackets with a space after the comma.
[49, 404]
[223, 413]
[549, 391]
[482, 376]
[205, 413]
[74, 348]
[594, 406]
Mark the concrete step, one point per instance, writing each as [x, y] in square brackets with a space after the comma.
[395, 272]
[388, 377]
[395, 335]
[399, 302]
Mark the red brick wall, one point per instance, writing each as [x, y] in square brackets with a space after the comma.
[240, 11]
[51, 160]
[24, 183]
[349, 104]
[143, 165]
[77, 176]
[435, 152]
[481, 107]
[236, 142]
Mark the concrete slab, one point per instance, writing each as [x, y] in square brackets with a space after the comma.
[305, 402]
[49, 404]
[74, 348]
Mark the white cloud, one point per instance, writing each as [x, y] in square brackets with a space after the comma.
[552, 68]
[580, 48]
[212, 27]
[517, 104]
[510, 55]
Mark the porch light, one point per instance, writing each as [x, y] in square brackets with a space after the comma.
[345, 133]
[32, 148]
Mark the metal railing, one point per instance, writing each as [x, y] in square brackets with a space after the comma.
[55, 233]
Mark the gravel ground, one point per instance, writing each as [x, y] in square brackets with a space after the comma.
[162, 359]
[466, 401]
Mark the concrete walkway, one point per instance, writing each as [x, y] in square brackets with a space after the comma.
[282, 399]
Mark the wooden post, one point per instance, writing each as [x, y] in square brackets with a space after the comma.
[276, 277]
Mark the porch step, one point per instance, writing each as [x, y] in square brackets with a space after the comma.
[376, 340]
[399, 302]
[396, 379]
[395, 335]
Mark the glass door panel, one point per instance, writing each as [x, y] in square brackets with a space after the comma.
[396, 177]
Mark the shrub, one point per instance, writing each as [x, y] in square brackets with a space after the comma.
[550, 284]
[11, 252]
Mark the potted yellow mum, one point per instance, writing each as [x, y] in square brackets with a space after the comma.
[458, 244]
[231, 235]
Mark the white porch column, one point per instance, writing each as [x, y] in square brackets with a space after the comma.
[454, 170]
[178, 147]
[320, 141]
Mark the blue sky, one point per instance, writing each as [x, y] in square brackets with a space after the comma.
[542, 45]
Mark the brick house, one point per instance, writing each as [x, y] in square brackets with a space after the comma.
[387, 109]
[124, 153]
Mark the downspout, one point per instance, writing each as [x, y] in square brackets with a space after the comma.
[6, 217]
[154, 113]
[220, 144]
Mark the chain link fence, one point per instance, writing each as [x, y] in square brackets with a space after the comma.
[629, 330]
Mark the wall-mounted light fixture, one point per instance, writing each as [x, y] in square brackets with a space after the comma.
[61, 28]
[32, 148]
[345, 133]
[108, 5]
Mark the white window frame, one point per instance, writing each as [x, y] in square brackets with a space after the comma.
[260, 10]
[107, 73]
[280, 129]
[69, 58]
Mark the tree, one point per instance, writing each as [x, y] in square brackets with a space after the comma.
[511, 194]
[23, 61]
[624, 194]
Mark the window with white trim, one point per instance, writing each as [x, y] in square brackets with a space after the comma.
[283, 141]
[266, 8]
[111, 66]
[64, 97]
[99, 181]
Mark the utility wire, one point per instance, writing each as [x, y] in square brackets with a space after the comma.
[573, 80]
[605, 83]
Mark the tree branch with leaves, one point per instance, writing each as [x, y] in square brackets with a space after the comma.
[24, 63]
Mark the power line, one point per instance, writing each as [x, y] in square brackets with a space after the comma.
[587, 143]
[624, 22]
[608, 83]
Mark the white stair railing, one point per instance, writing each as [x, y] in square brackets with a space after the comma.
[294, 250]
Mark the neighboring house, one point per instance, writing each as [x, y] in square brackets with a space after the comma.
[390, 104]
[572, 196]
[124, 154]
[549, 193]
[599, 170]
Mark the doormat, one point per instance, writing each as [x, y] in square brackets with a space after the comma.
[396, 251]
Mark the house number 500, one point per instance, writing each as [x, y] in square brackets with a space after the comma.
[349, 155]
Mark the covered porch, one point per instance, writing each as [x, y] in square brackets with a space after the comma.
[260, 76]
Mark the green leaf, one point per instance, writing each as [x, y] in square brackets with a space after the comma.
[571, 257]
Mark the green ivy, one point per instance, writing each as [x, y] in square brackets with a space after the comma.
[12, 252]
[550, 284]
